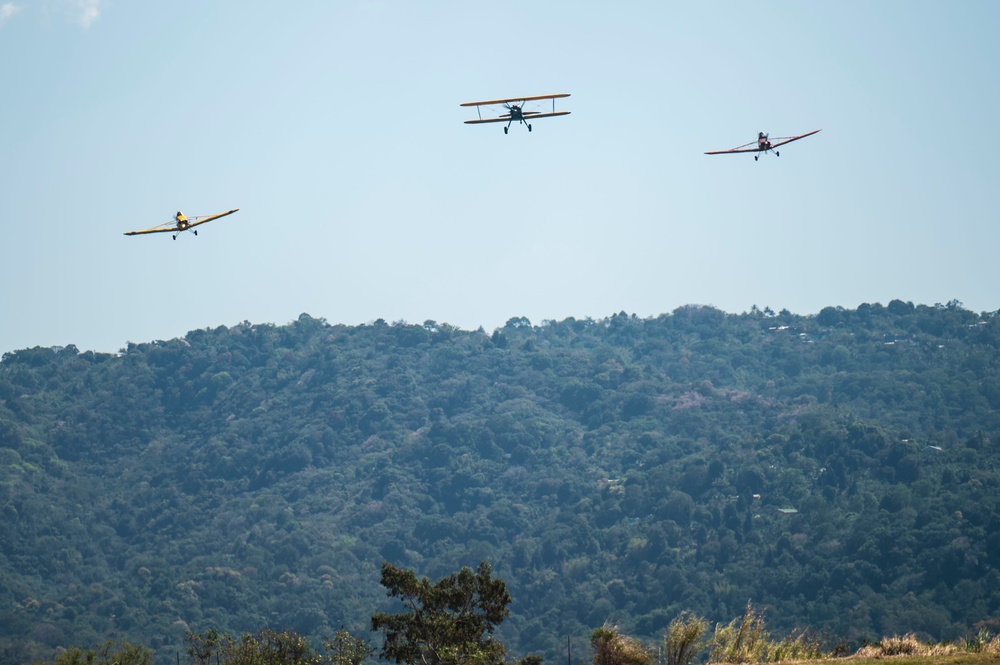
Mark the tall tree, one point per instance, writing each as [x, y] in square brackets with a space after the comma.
[449, 622]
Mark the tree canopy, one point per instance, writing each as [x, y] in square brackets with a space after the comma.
[450, 622]
[839, 470]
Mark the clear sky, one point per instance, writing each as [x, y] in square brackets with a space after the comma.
[335, 127]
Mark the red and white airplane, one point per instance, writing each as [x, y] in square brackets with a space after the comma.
[763, 144]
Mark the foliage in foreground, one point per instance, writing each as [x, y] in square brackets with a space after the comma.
[108, 653]
[682, 643]
[265, 647]
[743, 640]
[686, 637]
[271, 647]
[613, 648]
[450, 622]
[347, 649]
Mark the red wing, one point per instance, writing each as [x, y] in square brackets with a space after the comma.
[782, 140]
[749, 147]
[493, 102]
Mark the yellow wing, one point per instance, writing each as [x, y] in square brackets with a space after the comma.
[173, 227]
[163, 228]
[492, 102]
[527, 116]
[210, 218]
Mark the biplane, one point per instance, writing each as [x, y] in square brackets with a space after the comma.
[181, 223]
[763, 145]
[516, 111]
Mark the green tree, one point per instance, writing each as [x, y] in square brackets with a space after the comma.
[202, 646]
[109, 653]
[266, 647]
[346, 649]
[448, 622]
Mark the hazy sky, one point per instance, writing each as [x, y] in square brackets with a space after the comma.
[335, 127]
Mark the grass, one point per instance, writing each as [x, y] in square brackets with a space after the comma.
[954, 658]
[745, 641]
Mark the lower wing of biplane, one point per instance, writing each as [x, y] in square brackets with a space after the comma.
[516, 110]
[181, 223]
[763, 145]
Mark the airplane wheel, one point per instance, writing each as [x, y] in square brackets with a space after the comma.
[777, 154]
[755, 157]
[529, 128]
[196, 233]
[504, 130]
[174, 237]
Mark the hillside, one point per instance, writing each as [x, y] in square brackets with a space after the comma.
[840, 470]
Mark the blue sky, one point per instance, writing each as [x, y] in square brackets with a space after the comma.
[335, 127]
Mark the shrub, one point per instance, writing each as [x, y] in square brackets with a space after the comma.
[346, 649]
[744, 640]
[905, 645]
[612, 648]
[983, 642]
[266, 647]
[686, 636]
[798, 645]
[109, 653]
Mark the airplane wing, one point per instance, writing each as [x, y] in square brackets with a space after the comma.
[782, 140]
[527, 116]
[209, 218]
[155, 229]
[492, 102]
[485, 120]
[748, 147]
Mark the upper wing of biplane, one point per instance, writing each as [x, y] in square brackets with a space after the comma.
[755, 147]
[173, 226]
[492, 102]
[528, 115]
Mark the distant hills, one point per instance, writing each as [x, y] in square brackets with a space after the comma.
[839, 470]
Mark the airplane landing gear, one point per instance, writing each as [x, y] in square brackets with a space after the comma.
[195, 232]
[174, 236]
[504, 130]
[529, 128]
[756, 157]
[777, 154]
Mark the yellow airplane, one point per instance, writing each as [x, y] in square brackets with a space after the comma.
[515, 110]
[181, 223]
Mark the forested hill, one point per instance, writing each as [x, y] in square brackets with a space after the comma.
[839, 470]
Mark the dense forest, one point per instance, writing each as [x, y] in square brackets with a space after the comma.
[839, 470]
